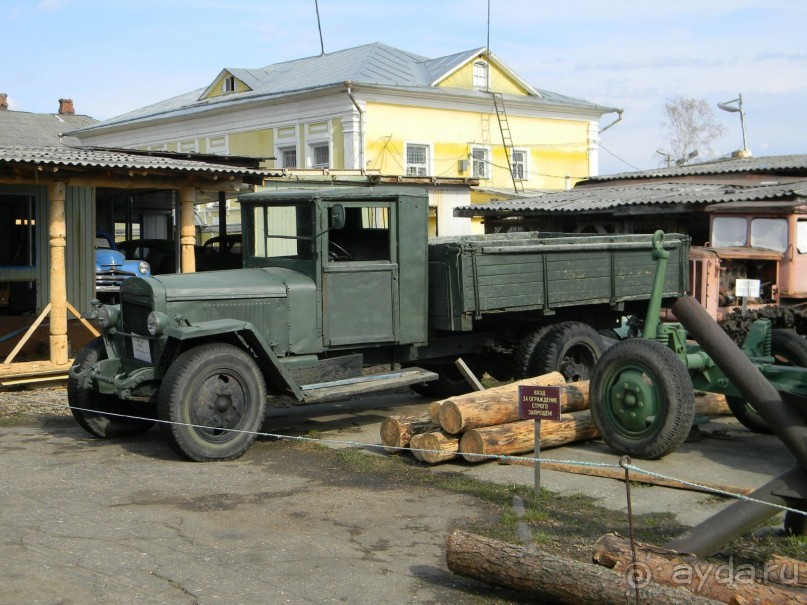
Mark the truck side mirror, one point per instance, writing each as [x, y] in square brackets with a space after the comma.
[337, 216]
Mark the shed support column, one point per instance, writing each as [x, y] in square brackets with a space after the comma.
[58, 280]
[187, 229]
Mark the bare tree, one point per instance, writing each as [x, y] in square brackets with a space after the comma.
[689, 128]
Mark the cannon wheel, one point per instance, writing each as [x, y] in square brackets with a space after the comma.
[642, 399]
[571, 348]
[789, 349]
[212, 400]
[81, 400]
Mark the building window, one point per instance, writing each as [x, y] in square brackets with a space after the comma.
[480, 160]
[481, 75]
[288, 157]
[228, 84]
[320, 156]
[417, 160]
[519, 164]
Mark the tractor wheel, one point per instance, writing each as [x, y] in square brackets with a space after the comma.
[87, 405]
[212, 400]
[571, 348]
[642, 399]
[788, 349]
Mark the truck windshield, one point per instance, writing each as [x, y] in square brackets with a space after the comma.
[769, 233]
[282, 232]
[728, 231]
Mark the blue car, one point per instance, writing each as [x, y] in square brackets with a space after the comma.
[111, 268]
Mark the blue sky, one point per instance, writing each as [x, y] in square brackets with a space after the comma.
[112, 56]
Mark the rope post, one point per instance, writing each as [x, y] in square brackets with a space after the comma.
[625, 462]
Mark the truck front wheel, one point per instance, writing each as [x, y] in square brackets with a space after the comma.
[212, 400]
[87, 405]
[642, 399]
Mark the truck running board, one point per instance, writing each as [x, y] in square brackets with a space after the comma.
[338, 389]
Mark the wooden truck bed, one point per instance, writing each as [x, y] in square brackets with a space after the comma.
[471, 276]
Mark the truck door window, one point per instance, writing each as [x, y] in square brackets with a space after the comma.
[282, 232]
[801, 237]
[769, 233]
[365, 236]
[728, 231]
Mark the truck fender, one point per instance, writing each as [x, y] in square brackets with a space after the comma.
[249, 339]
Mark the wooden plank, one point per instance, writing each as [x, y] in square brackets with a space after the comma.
[27, 335]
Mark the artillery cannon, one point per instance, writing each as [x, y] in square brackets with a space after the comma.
[642, 400]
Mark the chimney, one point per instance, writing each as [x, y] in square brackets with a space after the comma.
[66, 107]
[3, 101]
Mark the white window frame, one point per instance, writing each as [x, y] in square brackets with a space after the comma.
[281, 156]
[285, 137]
[486, 167]
[228, 84]
[427, 167]
[481, 81]
[525, 168]
[312, 146]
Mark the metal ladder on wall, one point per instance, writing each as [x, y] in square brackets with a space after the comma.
[507, 140]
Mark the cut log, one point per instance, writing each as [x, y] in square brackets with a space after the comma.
[711, 404]
[519, 437]
[549, 577]
[414, 445]
[499, 405]
[729, 583]
[437, 446]
[787, 571]
[635, 476]
[396, 431]
[434, 411]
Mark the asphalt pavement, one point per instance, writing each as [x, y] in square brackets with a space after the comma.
[85, 521]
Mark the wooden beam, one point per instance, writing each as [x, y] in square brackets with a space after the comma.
[27, 335]
[83, 321]
[57, 232]
[187, 229]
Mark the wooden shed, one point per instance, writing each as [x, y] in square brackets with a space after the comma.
[49, 200]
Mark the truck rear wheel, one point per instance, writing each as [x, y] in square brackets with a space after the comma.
[788, 349]
[213, 399]
[642, 399]
[571, 348]
[82, 400]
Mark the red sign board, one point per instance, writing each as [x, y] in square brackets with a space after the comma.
[539, 403]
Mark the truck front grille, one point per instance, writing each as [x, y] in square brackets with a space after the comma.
[135, 317]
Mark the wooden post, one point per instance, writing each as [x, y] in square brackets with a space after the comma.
[187, 240]
[57, 233]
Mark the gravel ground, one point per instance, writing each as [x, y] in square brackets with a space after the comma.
[34, 401]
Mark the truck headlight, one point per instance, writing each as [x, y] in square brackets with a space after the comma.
[143, 268]
[108, 315]
[156, 322]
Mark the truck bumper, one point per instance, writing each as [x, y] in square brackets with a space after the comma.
[108, 378]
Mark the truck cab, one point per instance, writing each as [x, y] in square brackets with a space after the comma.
[767, 245]
[364, 255]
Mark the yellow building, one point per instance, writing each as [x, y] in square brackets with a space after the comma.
[379, 109]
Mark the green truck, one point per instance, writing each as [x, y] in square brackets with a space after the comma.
[342, 293]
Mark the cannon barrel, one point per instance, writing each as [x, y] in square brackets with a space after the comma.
[788, 489]
[783, 420]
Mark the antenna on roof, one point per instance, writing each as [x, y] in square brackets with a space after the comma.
[487, 43]
[319, 25]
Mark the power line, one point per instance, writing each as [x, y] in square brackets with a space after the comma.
[624, 161]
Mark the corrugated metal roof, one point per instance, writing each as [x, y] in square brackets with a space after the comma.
[64, 157]
[371, 65]
[603, 199]
[39, 129]
[772, 164]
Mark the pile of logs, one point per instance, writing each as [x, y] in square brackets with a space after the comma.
[664, 576]
[486, 423]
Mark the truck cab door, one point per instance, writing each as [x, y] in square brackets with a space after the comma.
[360, 278]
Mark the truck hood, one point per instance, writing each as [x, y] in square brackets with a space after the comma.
[220, 285]
[743, 252]
[107, 259]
